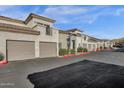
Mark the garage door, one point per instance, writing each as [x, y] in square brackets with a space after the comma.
[19, 50]
[48, 49]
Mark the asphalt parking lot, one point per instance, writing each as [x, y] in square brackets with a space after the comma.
[15, 73]
[84, 74]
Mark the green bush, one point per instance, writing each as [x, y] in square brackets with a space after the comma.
[79, 49]
[63, 52]
[1, 57]
[67, 51]
[85, 50]
[72, 51]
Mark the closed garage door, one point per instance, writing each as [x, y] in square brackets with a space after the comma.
[48, 49]
[19, 50]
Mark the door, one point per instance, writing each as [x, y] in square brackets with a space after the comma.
[20, 50]
[48, 49]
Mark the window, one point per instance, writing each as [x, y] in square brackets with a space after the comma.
[73, 44]
[85, 37]
[68, 42]
[48, 30]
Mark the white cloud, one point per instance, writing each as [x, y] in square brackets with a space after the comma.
[64, 10]
[80, 14]
[64, 14]
[17, 12]
[119, 11]
[69, 14]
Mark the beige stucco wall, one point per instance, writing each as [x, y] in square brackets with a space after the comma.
[12, 23]
[63, 40]
[108, 44]
[19, 36]
[13, 36]
[34, 21]
[46, 38]
[78, 40]
[28, 37]
[89, 45]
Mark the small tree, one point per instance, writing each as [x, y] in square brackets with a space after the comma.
[63, 52]
[72, 51]
[85, 50]
[79, 49]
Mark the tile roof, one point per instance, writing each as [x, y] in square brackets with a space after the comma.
[18, 29]
[11, 19]
[75, 29]
[32, 15]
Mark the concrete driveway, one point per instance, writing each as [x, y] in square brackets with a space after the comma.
[14, 74]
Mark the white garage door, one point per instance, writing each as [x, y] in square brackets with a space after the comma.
[48, 49]
[19, 50]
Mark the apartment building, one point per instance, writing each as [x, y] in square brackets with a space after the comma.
[36, 37]
[32, 38]
[74, 38]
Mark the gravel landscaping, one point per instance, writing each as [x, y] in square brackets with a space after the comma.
[89, 74]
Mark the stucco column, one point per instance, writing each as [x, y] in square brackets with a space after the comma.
[3, 49]
[76, 44]
[91, 46]
[70, 47]
[87, 46]
[95, 46]
[57, 46]
[37, 48]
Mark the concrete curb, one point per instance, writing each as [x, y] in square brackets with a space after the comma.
[71, 55]
[3, 62]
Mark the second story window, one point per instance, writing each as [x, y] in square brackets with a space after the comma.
[85, 38]
[48, 30]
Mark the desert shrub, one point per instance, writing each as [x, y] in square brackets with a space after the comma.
[63, 52]
[72, 51]
[67, 51]
[85, 50]
[79, 49]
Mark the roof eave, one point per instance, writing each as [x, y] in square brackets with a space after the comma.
[19, 31]
[39, 17]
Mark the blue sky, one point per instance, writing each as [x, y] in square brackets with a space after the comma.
[99, 21]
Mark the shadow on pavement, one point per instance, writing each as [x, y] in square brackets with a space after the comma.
[82, 74]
